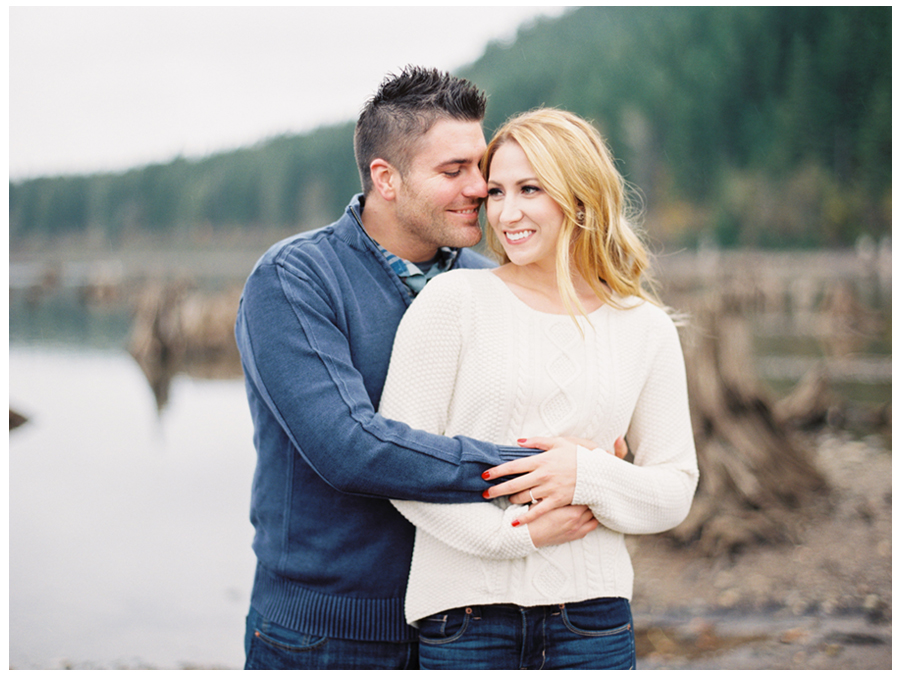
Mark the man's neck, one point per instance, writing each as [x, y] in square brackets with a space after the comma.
[380, 222]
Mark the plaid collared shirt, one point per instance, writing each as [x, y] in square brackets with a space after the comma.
[409, 272]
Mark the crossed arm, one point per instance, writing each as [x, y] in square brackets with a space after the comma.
[494, 532]
[302, 371]
[651, 495]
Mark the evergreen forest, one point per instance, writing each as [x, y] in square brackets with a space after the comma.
[744, 126]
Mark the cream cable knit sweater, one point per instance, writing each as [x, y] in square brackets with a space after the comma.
[470, 358]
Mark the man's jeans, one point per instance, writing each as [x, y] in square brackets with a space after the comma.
[596, 634]
[273, 647]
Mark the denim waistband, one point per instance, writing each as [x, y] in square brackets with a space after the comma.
[617, 605]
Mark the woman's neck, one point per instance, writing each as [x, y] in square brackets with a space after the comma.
[538, 287]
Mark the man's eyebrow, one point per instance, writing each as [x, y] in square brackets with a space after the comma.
[520, 182]
[458, 161]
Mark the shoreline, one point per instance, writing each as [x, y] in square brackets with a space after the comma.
[823, 601]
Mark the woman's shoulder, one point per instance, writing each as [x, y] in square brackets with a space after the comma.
[457, 280]
[644, 313]
[455, 288]
[466, 274]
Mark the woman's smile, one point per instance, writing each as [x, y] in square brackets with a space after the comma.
[517, 235]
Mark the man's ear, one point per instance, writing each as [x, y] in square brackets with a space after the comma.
[385, 178]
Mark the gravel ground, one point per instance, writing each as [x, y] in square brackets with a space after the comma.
[823, 602]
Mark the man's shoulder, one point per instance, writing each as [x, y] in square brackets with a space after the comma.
[333, 242]
[297, 247]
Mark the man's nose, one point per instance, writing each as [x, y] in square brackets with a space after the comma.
[476, 187]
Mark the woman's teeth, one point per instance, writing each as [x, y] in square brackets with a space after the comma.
[518, 235]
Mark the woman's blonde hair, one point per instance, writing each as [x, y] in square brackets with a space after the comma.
[577, 170]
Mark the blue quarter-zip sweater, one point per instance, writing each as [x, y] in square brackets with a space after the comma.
[315, 328]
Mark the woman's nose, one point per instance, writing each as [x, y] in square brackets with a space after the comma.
[510, 212]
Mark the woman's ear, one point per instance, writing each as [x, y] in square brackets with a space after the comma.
[579, 212]
[385, 178]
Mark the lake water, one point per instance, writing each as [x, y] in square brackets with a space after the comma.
[129, 536]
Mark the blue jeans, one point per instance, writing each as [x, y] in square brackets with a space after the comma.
[596, 634]
[274, 647]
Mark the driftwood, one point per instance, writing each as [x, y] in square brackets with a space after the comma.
[811, 404]
[754, 475]
[16, 419]
[179, 329]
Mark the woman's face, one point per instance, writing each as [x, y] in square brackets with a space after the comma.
[525, 219]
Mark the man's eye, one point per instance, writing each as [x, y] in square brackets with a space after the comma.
[451, 174]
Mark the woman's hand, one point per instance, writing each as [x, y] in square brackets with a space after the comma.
[563, 525]
[547, 479]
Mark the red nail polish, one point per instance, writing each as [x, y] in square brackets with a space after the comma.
[521, 441]
[516, 523]
[486, 475]
[484, 494]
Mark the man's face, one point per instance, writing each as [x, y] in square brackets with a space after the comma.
[439, 196]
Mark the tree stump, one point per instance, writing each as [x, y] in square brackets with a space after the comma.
[810, 404]
[754, 475]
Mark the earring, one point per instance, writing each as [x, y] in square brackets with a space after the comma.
[579, 216]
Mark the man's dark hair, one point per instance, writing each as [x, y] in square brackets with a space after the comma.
[403, 109]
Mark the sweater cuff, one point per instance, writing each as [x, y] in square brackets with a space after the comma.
[525, 546]
[588, 470]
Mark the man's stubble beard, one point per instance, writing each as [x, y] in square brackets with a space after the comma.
[434, 226]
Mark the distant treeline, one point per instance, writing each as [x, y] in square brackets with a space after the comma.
[763, 126]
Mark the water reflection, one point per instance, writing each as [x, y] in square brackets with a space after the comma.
[180, 329]
[129, 537]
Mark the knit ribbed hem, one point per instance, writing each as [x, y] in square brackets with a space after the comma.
[287, 603]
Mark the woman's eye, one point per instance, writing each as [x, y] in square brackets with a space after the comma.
[493, 192]
[530, 190]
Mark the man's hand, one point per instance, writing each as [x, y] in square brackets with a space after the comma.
[563, 525]
[548, 479]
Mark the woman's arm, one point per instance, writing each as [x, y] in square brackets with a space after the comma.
[653, 494]
[481, 529]
[490, 534]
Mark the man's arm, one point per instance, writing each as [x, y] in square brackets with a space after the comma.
[299, 363]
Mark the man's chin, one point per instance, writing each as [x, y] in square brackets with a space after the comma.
[468, 236]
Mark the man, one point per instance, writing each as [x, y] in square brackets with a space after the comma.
[315, 328]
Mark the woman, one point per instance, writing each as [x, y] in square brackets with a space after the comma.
[560, 340]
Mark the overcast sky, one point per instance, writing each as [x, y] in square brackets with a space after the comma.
[108, 88]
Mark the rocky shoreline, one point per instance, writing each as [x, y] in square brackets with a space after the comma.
[821, 602]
